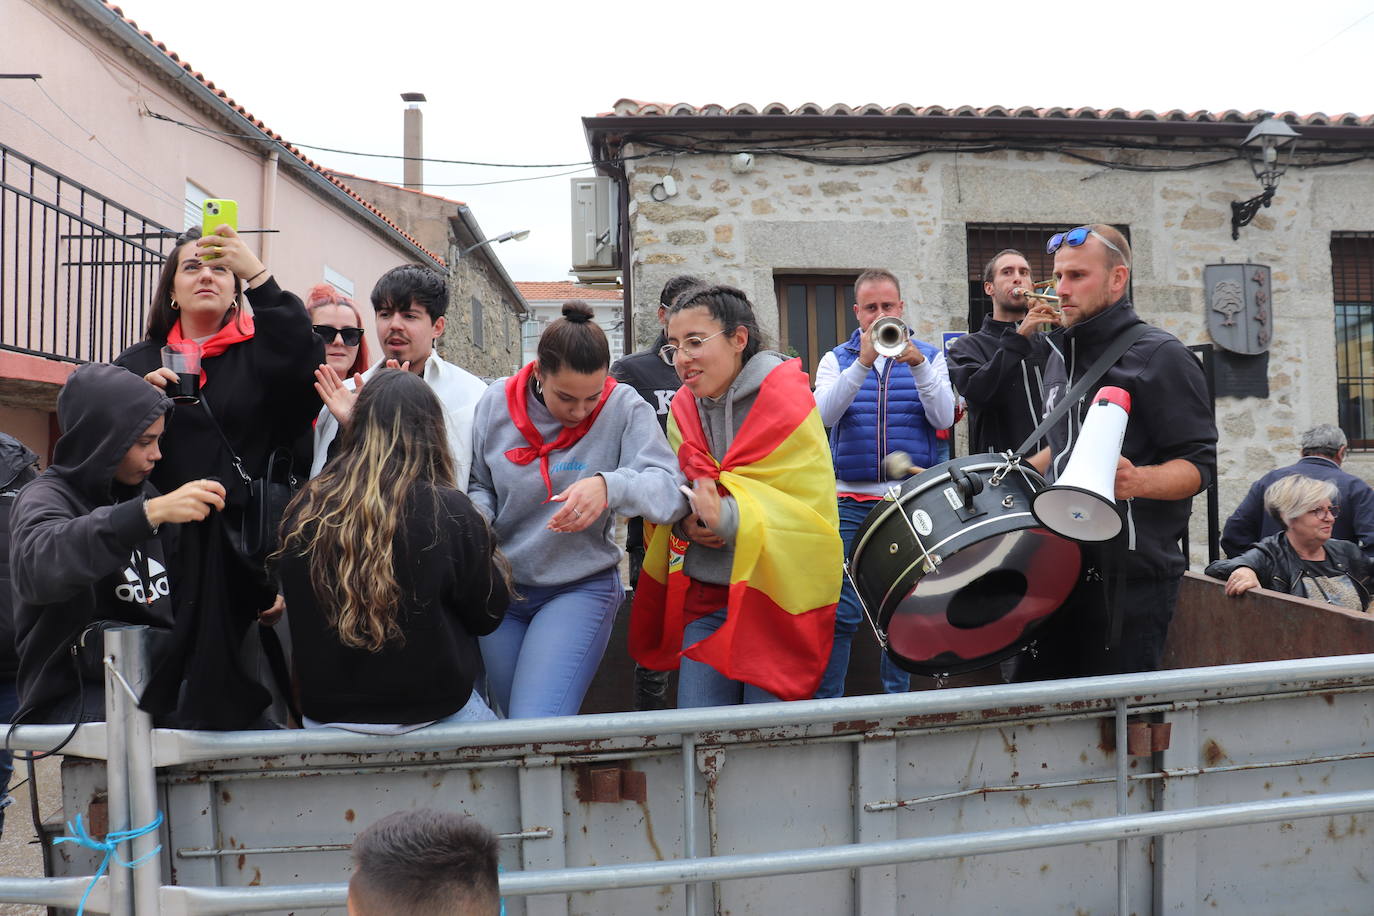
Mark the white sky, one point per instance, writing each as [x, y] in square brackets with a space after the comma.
[509, 81]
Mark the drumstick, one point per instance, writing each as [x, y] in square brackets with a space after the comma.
[898, 464]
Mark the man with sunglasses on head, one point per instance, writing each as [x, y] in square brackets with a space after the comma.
[998, 368]
[875, 405]
[1168, 455]
[410, 302]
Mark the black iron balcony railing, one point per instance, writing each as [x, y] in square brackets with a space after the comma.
[77, 269]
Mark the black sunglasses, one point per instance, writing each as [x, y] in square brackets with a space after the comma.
[351, 336]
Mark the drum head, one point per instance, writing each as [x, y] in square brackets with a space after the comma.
[983, 603]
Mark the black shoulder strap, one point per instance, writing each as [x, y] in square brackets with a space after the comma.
[233, 455]
[1095, 371]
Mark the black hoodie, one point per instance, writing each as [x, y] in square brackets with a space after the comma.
[81, 547]
[16, 469]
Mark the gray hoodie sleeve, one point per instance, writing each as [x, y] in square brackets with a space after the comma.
[480, 489]
[646, 482]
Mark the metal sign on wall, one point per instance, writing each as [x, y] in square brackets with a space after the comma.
[1240, 314]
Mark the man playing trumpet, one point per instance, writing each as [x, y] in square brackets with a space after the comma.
[877, 396]
[998, 369]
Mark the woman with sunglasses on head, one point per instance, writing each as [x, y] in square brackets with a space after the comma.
[749, 610]
[256, 395]
[1303, 559]
[559, 449]
[390, 573]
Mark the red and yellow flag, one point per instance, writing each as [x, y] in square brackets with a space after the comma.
[785, 578]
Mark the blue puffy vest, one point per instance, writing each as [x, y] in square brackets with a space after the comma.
[886, 416]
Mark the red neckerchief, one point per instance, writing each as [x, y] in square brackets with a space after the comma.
[517, 402]
[222, 340]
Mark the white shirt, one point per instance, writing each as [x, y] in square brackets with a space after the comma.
[835, 391]
[458, 391]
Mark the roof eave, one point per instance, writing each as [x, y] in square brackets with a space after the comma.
[601, 129]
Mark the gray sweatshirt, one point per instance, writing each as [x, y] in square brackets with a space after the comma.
[625, 446]
[721, 419]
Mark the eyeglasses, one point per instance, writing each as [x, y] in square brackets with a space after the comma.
[1075, 237]
[1332, 512]
[690, 345]
[351, 336]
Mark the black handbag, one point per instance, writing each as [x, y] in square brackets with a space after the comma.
[258, 537]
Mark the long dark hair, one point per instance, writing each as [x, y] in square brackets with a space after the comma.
[345, 520]
[574, 341]
[729, 306]
[161, 315]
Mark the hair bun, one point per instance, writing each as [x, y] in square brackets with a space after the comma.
[578, 312]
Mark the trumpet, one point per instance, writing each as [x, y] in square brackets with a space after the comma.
[889, 336]
[1018, 292]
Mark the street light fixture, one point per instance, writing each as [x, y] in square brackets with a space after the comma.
[1264, 141]
[518, 235]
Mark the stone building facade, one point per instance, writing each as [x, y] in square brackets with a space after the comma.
[767, 195]
[485, 309]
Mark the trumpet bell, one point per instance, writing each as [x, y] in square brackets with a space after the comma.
[889, 337]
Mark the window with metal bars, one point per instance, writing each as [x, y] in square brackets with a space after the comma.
[1352, 277]
[986, 239]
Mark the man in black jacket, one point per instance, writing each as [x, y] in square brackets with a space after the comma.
[1167, 457]
[656, 382]
[17, 467]
[1323, 451]
[88, 540]
[998, 368]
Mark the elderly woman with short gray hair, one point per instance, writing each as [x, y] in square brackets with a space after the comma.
[1302, 559]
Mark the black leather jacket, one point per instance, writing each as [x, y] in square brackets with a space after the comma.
[1278, 567]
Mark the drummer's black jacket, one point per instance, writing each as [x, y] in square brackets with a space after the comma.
[998, 372]
[1170, 417]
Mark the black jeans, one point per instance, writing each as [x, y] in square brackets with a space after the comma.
[1075, 641]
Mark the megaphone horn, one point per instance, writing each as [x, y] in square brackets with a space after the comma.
[1081, 505]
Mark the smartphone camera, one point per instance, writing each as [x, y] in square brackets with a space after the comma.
[212, 208]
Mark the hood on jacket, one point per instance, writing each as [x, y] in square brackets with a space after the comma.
[15, 458]
[102, 409]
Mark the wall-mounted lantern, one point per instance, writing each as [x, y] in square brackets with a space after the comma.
[1262, 146]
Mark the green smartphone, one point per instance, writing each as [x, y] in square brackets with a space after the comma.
[215, 213]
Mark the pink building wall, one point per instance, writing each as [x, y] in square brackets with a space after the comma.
[144, 163]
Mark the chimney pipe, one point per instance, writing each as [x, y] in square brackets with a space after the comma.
[414, 141]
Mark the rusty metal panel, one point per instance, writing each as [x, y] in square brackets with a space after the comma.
[1210, 628]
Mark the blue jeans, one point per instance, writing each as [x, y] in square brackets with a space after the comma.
[9, 705]
[849, 614]
[698, 684]
[541, 659]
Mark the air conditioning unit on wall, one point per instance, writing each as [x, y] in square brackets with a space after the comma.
[595, 232]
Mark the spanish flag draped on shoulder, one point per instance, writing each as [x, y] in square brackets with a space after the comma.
[785, 578]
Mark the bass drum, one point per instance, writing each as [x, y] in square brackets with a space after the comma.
[955, 572]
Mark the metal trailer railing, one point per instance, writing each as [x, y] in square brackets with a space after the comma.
[133, 752]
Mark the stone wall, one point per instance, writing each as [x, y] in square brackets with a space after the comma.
[471, 278]
[786, 216]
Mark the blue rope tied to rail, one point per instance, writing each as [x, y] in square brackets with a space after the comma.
[82, 837]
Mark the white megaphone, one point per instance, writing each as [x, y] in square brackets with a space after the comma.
[1081, 505]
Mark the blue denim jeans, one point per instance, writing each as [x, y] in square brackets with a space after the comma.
[849, 614]
[541, 659]
[9, 705]
[698, 684]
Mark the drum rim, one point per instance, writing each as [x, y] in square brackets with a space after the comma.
[931, 550]
[897, 503]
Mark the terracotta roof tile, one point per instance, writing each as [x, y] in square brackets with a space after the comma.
[630, 108]
[269, 132]
[538, 291]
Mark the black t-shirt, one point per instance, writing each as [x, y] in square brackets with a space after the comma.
[1327, 581]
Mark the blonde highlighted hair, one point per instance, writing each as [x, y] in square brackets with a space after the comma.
[345, 520]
